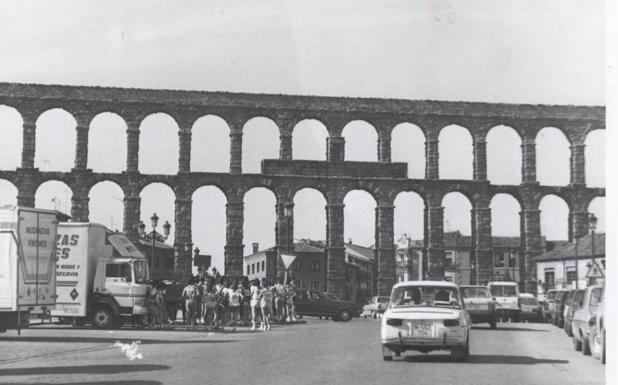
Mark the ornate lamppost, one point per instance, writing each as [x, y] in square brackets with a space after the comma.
[152, 236]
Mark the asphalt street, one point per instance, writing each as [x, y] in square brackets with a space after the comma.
[318, 352]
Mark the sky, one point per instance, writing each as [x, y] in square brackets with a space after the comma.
[549, 52]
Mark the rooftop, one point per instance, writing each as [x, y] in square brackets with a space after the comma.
[584, 249]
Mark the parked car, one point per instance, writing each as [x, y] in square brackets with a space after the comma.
[377, 305]
[322, 304]
[479, 304]
[556, 308]
[597, 333]
[573, 301]
[425, 316]
[530, 308]
[583, 318]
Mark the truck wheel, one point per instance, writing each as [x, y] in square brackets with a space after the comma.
[586, 347]
[103, 318]
[344, 315]
[387, 354]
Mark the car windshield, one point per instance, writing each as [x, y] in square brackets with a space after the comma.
[383, 299]
[529, 301]
[503, 291]
[432, 296]
[474, 292]
[141, 271]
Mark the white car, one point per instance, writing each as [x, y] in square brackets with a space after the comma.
[425, 316]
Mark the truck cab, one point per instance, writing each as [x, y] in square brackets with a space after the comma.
[506, 296]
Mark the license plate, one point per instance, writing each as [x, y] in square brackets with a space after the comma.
[421, 329]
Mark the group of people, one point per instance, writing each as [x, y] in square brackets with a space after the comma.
[219, 301]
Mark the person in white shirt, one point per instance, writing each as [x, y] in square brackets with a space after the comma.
[255, 302]
[266, 304]
[235, 296]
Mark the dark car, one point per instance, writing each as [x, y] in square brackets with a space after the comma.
[557, 310]
[574, 300]
[322, 304]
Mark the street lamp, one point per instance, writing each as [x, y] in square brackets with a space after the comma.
[592, 224]
[196, 253]
[154, 220]
[287, 212]
[188, 264]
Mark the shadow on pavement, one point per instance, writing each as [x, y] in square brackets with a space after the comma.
[507, 329]
[133, 382]
[486, 359]
[87, 369]
[110, 340]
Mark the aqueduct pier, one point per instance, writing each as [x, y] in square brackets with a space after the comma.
[334, 177]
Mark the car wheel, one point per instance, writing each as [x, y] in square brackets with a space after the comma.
[461, 353]
[577, 345]
[335, 318]
[103, 318]
[492, 324]
[604, 349]
[568, 329]
[344, 315]
[387, 354]
[586, 347]
[596, 344]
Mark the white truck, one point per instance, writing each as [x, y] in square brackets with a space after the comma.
[506, 296]
[102, 277]
[27, 264]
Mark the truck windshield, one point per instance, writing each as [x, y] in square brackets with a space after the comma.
[503, 291]
[141, 272]
[474, 292]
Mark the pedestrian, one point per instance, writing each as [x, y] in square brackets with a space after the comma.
[290, 293]
[222, 302]
[245, 304]
[266, 304]
[209, 305]
[161, 305]
[199, 286]
[235, 296]
[153, 306]
[255, 302]
[279, 295]
[189, 294]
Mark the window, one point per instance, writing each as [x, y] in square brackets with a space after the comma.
[263, 265]
[499, 259]
[315, 285]
[248, 269]
[253, 268]
[364, 286]
[571, 276]
[257, 269]
[549, 278]
[296, 265]
[315, 266]
[512, 260]
[118, 270]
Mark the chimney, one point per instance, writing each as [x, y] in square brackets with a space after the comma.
[256, 247]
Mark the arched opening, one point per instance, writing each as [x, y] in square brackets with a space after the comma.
[309, 140]
[595, 158]
[260, 219]
[11, 132]
[107, 143]
[158, 145]
[505, 217]
[210, 145]
[208, 223]
[552, 157]
[158, 198]
[309, 215]
[597, 207]
[554, 218]
[361, 141]
[55, 129]
[455, 151]
[359, 218]
[106, 205]
[54, 195]
[457, 214]
[408, 145]
[260, 141]
[503, 156]
[8, 193]
[409, 236]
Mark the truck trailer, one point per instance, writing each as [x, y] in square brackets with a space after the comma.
[27, 264]
[102, 277]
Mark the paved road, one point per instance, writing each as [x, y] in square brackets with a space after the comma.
[318, 352]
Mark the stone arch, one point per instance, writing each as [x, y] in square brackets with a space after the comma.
[595, 158]
[107, 143]
[597, 207]
[505, 215]
[260, 141]
[8, 193]
[408, 145]
[457, 212]
[504, 155]
[54, 195]
[260, 217]
[158, 144]
[11, 132]
[158, 198]
[455, 152]
[106, 204]
[554, 217]
[210, 144]
[55, 129]
[309, 140]
[359, 217]
[307, 225]
[208, 223]
[409, 215]
[361, 141]
[552, 157]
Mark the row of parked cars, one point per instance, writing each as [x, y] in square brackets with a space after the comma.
[580, 312]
